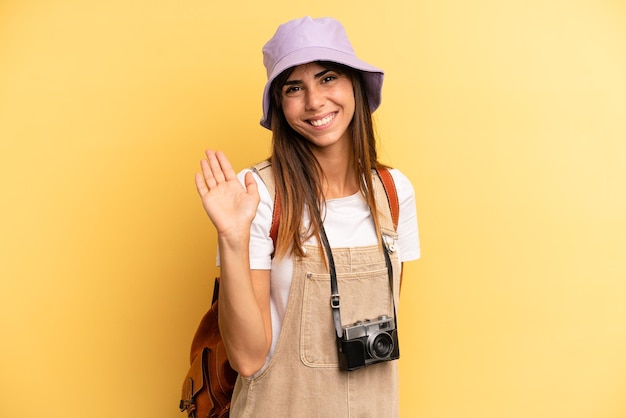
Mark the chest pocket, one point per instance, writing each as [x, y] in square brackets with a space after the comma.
[364, 295]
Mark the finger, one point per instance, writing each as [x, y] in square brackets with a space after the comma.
[216, 168]
[227, 169]
[207, 174]
[201, 185]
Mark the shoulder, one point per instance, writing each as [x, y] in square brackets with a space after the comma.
[403, 185]
[263, 190]
[408, 236]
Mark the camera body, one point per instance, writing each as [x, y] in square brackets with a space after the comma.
[368, 342]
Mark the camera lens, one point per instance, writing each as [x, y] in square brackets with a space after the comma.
[380, 345]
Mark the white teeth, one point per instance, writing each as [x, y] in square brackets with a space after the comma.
[323, 121]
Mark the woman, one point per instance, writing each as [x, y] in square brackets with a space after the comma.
[279, 329]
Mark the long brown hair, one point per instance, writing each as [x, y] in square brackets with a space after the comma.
[297, 172]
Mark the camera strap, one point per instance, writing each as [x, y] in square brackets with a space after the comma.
[335, 301]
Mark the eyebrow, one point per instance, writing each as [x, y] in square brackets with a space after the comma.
[316, 76]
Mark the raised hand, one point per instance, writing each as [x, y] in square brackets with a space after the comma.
[230, 206]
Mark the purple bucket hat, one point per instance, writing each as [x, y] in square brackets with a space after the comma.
[304, 40]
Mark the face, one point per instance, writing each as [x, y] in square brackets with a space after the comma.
[318, 103]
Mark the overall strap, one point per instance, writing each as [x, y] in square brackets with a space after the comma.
[387, 203]
[264, 170]
[392, 194]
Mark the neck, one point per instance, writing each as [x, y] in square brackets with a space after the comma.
[339, 178]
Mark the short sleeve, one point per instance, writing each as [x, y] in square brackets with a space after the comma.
[408, 236]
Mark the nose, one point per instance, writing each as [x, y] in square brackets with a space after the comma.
[314, 98]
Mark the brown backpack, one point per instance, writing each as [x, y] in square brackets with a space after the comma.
[208, 386]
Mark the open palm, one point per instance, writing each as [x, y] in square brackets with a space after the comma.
[230, 206]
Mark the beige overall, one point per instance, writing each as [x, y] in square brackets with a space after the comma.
[303, 378]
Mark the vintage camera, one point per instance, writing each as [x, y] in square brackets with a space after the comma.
[368, 342]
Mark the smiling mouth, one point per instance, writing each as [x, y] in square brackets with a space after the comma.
[324, 121]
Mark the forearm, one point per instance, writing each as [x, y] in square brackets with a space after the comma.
[244, 313]
[243, 307]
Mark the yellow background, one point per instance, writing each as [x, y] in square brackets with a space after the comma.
[508, 116]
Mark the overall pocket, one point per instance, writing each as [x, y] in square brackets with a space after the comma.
[364, 295]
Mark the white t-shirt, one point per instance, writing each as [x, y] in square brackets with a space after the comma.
[348, 223]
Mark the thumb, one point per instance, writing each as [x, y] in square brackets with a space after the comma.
[250, 182]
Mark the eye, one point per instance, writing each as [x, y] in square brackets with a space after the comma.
[291, 90]
[328, 78]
